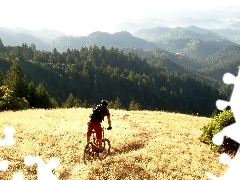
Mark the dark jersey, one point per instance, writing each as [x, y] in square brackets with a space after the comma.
[98, 113]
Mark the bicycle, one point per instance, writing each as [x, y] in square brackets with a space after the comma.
[90, 150]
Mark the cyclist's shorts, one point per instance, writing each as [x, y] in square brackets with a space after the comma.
[96, 127]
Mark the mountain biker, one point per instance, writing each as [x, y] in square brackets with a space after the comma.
[95, 122]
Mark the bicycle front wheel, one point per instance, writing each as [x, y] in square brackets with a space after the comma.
[89, 152]
[106, 149]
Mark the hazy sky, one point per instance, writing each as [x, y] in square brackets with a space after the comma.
[83, 17]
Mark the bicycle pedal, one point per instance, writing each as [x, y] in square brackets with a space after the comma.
[100, 150]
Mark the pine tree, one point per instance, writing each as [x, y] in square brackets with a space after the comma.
[117, 104]
[1, 46]
[54, 102]
[16, 81]
[133, 106]
[86, 104]
[43, 98]
[1, 78]
[32, 96]
[110, 104]
[18, 53]
[71, 102]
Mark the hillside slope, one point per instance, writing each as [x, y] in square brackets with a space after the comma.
[145, 145]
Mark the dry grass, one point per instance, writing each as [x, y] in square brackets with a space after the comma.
[145, 145]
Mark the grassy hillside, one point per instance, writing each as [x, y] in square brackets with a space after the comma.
[145, 145]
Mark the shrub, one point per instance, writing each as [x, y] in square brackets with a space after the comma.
[217, 123]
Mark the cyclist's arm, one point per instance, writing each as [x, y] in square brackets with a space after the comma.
[108, 117]
[109, 121]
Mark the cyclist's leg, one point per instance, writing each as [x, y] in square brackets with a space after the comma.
[98, 130]
[89, 131]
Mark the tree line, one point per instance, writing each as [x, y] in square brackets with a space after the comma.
[16, 93]
[87, 75]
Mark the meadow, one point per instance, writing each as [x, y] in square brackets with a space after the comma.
[145, 145]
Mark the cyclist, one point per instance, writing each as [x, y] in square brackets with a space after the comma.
[99, 112]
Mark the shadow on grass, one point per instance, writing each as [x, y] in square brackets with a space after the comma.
[128, 147]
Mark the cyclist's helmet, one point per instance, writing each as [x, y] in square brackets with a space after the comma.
[104, 102]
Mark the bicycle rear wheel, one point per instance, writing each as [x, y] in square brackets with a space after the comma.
[106, 149]
[89, 153]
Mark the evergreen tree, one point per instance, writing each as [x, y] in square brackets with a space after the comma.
[110, 104]
[18, 53]
[1, 78]
[117, 104]
[86, 104]
[43, 98]
[33, 47]
[54, 103]
[32, 96]
[71, 102]
[133, 106]
[16, 81]
[1, 46]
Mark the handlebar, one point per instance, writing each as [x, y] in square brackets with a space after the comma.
[109, 128]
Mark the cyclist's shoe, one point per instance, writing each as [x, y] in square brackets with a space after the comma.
[100, 150]
[109, 128]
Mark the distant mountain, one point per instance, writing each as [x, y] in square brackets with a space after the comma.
[47, 35]
[203, 22]
[17, 39]
[48, 39]
[184, 33]
[231, 34]
[162, 33]
[44, 34]
[218, 18]
[116, 40]
[188, 46]
[151, 34]
[194, 48]
[191, 41]
[203, 31]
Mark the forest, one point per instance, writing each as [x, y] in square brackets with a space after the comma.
[82, 77]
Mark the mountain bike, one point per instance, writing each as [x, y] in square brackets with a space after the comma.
[90, 150]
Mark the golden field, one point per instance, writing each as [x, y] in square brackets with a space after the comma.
[145, 145]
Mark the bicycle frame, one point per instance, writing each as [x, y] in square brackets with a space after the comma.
[94, 139]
